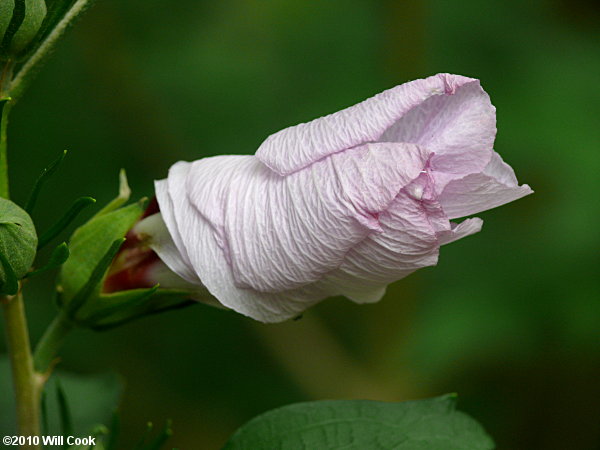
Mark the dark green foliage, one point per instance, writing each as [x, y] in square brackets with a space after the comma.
[432, 424]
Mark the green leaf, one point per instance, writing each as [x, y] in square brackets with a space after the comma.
[432, 424]
[79, 205]
[89, 244]
[42, 178]
[18, 240]
[58, 257]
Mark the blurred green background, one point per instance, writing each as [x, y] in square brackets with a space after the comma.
[510, 317]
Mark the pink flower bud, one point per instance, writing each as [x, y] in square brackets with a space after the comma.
[342, 205]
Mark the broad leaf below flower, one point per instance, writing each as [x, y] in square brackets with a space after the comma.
[432, 424]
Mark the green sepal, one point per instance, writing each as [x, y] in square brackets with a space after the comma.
[18, 240]
[39, 183]
[106, 306]
[90, 244]
[79, 205]
[94, 283]
[58, 257]
[153, 302]
[121, 198]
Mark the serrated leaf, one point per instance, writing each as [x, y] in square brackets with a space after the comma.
[432, 424]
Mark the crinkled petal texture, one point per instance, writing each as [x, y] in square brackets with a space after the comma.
[342, 205]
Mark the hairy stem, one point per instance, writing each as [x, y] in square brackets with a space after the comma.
[27, 384]
[28, 69]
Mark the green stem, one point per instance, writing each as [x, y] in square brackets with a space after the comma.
[25, 73]
[27, 384]
[51, 341]
[5, 105]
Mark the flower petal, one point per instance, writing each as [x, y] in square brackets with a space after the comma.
[449, 114]
[281, 233]
[408, 242]
[460, 230]
[162, 243]
[166, 191]
[474, 193]
[208, 258]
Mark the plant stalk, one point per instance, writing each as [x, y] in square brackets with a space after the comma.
[25, 72]
[27, 383]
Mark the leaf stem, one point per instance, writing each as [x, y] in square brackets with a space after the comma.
[27, 384]
[51, 341]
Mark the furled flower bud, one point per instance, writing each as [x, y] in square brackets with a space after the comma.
[18, 242]
[20, 22]
[342, 205]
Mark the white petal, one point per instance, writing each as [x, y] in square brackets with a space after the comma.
[164, 246]
[281, 233]
[474, 193]
[379, 119]
[465, 228]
